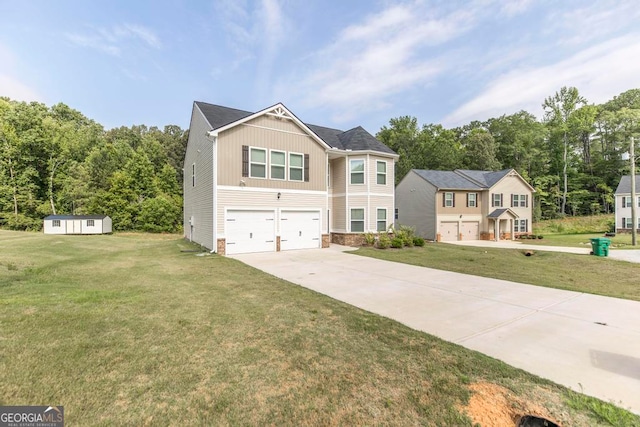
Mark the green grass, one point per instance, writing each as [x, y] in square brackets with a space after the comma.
[620, 241]
[130, 330]
[550, 269]
[575, 225]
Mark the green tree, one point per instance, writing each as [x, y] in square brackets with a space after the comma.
[480, 151]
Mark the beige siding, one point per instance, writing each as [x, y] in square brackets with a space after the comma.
[357, 188]
[198, 199]
[338, 175]
[338, 213]
[374, 187]
[270, 133]
[248, 199]
[460, 207]
[415, 200]
[381, 202]
[513, 184]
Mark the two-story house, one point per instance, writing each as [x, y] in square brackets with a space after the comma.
[623, 205]
[265, 181]
[465, 204]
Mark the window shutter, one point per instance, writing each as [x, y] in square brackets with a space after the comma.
[512, 197]
[306, 168]
[467, 199]
[493, 201]
[444, 200]
[245, 160]
[453, 200]
[526, 200]
[501, 199]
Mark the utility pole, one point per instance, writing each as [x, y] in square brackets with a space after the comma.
[634, 202]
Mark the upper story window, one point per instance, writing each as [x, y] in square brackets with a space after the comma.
[193, 175]
[519, 200]
[91, 223]
[258, 163]
[296, 167]
[626, 201]
[56, 223]
[472, 200]
[278, 167]
[357, 171]
[381, 172]
[449, 200]
[496, 200]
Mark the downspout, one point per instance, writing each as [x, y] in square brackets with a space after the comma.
[213, 137]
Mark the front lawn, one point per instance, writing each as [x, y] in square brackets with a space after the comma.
[620, 241]
[140, 330]
[581, 273]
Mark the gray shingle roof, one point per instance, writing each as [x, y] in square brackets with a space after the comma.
[356, 139]
[485, 178]
[76, 217]
[498, 213]
[624, 187]
[448, 180]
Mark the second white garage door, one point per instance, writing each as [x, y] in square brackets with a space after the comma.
[299, 230]
[250, 231]
[448, 231]
[470, 230]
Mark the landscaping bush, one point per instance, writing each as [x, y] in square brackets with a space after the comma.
[418, 241]
[369, 239]
[406, 234]
[397, 242]
[384, 241]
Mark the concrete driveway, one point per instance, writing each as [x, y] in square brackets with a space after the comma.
[586, 342]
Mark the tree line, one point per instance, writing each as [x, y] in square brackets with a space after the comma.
[573, 157]
[54, 160]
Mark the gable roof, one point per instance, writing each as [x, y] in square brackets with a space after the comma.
[448, 180]
[356, 139]
[625, 184]
[499, 212]
[76, 217]
[462, 179]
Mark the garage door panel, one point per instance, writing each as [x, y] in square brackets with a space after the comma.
[470, 230]
[250, 231]
[448, 231]
[299, 230]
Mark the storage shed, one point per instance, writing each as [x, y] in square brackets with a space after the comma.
[77, 224]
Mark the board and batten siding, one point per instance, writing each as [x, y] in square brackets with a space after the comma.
[460, 206]
[415, 201]
[268, 199]
[198, 199]
[272, 134]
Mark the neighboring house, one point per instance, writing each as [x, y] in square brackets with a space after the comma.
[266, 181]
[465, 204]
[77, 224]
[623, 204]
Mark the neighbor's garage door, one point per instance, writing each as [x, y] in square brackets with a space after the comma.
[448, 231]
[470, 230]
[250, 231]
[299, 230]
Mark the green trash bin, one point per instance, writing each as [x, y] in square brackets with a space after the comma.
[600, 246]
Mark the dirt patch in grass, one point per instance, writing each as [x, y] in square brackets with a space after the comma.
[494, 405]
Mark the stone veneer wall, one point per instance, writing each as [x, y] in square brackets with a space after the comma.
[347, 239]
[326, 240]
[221, 245]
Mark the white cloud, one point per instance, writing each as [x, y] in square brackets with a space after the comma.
[385, 55]
[599, 72]
[113, 41]
[512, 8]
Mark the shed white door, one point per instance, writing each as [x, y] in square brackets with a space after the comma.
[299, 230]
[250, 231]
[74, 226]
[470, 230]
[448, 231]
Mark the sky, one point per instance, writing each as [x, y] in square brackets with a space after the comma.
[335, 63]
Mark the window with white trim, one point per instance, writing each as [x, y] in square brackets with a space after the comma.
[258, 163]
[521, 225]
[472, 200]
[496, 200]
[91, 223]
[55, 223]
[357, 171]
[382, 220]
[626, 201]
[627, 222]
[278, 164]
[381, 172]
[357, 220]
[448, 200]
[296, 167]
[519, 200]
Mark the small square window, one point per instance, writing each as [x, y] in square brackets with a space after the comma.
[56, 223]
[91, 223]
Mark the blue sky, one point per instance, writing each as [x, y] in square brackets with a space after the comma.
[334, 63]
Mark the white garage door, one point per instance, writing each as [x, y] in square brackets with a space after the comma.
[299, 230]
[470, 230]
[448, 231]
[250, 231]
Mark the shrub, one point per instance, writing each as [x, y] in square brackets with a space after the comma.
[384, 241]
[369, 239]
[397, 242]
[406, 234]
[418, 241]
